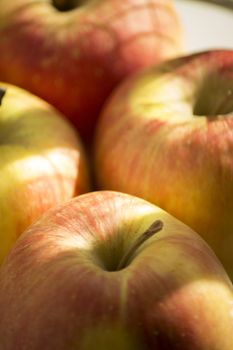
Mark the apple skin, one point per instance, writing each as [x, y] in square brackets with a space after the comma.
[166, 135]
[42, 162]
[60, 287]
[74, 59]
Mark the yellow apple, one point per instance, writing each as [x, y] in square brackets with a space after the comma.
[42, 162]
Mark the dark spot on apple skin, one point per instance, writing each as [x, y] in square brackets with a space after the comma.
[67, 5]
[2, 94]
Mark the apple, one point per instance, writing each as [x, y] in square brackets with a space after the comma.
[73, 53]
[166, 135]
[42, 162]
[107, 270]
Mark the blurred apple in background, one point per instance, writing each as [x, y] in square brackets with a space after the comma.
[110, 271]
[167, 135]
[42, 162]
[73, 53]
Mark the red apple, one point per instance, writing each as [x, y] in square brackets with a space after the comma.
[167, 135]
[42, 162]
[73, 53]
[84, 277]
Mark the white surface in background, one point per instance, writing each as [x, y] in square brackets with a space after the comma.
[206, 26]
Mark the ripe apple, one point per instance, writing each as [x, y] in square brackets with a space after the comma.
[42, 162]
[166, 135]
[107, 270]
[73, 53]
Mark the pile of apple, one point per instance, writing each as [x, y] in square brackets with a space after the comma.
[116, 180]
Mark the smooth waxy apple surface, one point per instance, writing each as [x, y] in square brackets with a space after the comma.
[167, 135]
[42, 162]
[73, 53]
[73, 281]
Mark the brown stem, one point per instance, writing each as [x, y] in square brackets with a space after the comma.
[2, 93]
[154, 228]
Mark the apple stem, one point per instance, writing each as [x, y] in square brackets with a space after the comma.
[154, 228]
[2, 93]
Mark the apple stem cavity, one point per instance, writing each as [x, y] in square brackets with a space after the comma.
[67, 5]
[2, 93]
[153, 229]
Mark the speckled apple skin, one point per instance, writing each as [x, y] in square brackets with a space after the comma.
[60, 287]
